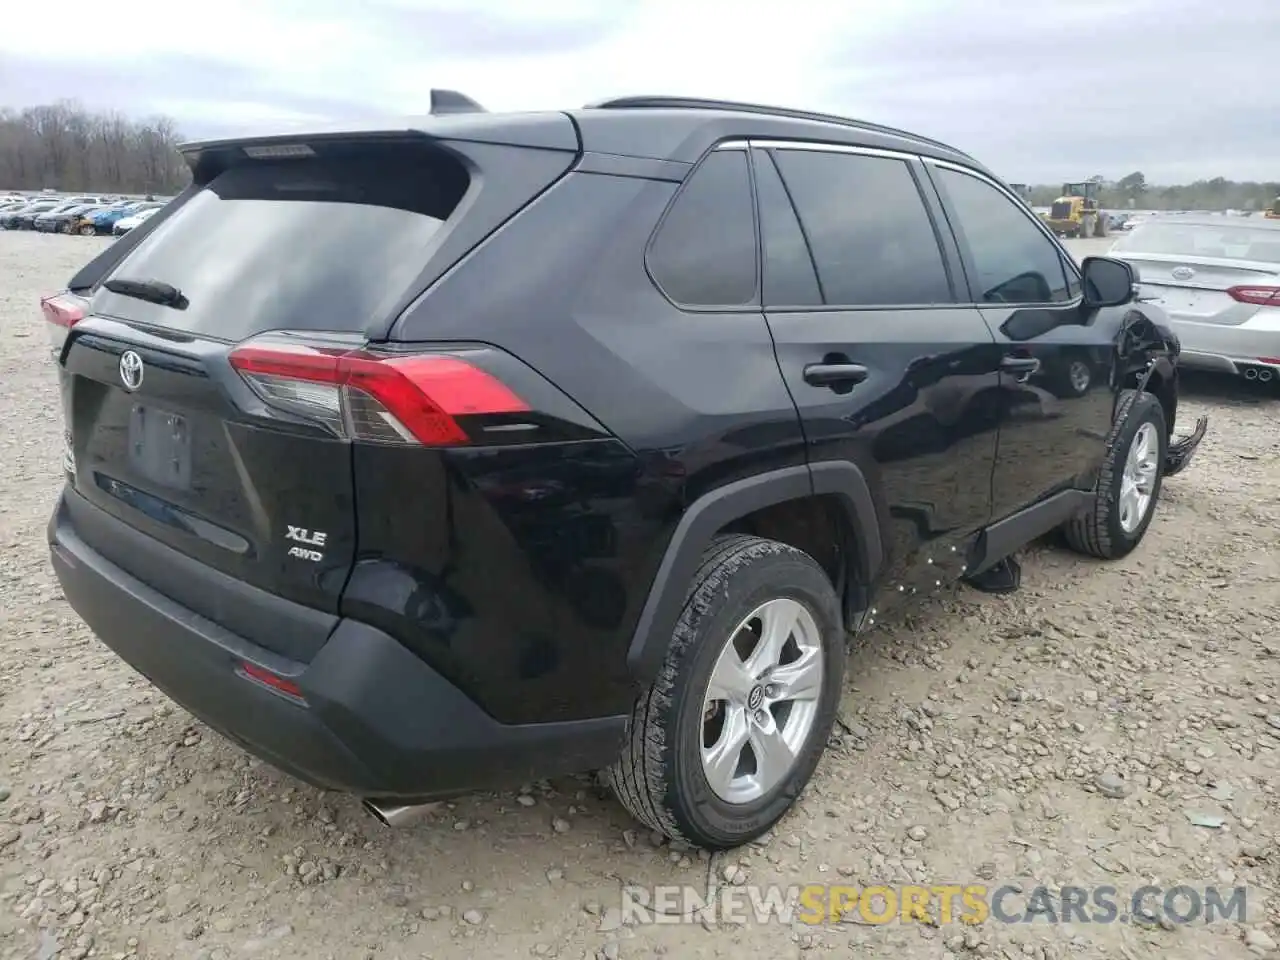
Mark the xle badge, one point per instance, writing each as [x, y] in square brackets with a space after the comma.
[312, 538]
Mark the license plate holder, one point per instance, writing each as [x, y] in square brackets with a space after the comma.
[160, 446]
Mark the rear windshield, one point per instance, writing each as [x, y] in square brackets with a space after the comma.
[322, 243]
[1228, 242]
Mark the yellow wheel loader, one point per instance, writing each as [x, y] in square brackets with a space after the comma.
[1077, 213]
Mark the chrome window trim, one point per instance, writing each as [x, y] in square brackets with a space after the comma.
[819, 147]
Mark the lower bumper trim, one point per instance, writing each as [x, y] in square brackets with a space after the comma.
[1182, 449]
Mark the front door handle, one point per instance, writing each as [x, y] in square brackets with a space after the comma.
[1021, 367]
[835, 374]
[1020, 364]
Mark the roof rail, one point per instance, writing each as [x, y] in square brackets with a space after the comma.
[451, 101]
[696, 103]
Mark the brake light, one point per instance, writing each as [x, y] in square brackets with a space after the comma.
[1263, 296]
[62, 311]
[361, 395]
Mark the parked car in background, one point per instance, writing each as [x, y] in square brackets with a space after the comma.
[100, 221]
[14, 219]
[123, 226]
[104, 221]
[28, 220]
[1218, 279]
[60, 221]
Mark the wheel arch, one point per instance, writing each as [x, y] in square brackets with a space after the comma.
[1161, 380]
[741, 505]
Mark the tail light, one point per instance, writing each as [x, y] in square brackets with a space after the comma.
[387, 398]
[62, 312]
[1263, 296]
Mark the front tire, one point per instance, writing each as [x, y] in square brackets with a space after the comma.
[728, 736]
[1129, 484]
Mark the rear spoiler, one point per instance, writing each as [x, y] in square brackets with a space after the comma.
[443, 103]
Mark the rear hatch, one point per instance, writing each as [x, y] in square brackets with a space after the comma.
[221, 371]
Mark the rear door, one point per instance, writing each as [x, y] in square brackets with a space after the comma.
[887, 368]
[166, 437]
[1056, 360]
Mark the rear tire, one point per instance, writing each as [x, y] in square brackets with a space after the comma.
[87, 231]
[689, 768]
[1129, 483]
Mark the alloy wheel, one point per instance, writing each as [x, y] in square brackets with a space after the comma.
[761, 701]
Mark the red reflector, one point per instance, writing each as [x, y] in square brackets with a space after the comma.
[1263, 296]
[271, 680]
[1274, 361]
[421, 394]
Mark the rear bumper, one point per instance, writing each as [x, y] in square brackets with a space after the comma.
[377, 722]
[1228, 349]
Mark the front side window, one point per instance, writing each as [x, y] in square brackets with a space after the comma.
[704, 253]
[1013, 260]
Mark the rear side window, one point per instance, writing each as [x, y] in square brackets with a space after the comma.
[872, 239]
[1015, 262]
[704, 253]
[789, 277]
[322, 243]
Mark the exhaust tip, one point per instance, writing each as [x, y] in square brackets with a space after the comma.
[397, 816]
[1250, 373]
[1264, 375]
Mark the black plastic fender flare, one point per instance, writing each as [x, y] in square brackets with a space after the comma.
[719, 507]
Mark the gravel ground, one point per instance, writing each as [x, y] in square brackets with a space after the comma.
[1066, 735]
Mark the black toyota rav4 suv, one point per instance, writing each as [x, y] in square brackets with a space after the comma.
[439, 457]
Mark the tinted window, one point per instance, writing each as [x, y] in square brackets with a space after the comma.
[705, 251]
[1015, 262]
[789, 279]
[326, 243]
[871, 236]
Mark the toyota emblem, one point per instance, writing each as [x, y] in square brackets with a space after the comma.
[130, 370]
[1182, 273]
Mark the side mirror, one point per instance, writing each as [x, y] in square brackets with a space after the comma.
[1107, 282]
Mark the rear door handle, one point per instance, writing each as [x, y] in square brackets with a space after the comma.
[1027, 365]
[835, 374]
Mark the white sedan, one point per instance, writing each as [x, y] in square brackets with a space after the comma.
[125, 224]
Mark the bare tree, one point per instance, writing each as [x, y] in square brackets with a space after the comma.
[64, 146]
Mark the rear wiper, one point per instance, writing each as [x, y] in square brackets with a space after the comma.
[153, 291]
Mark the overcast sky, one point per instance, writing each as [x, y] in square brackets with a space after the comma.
[1040, 90]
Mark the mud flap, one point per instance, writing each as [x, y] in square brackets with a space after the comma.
[1182, 449]
[1005, 576]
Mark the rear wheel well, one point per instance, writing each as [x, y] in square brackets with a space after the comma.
[820, 527]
